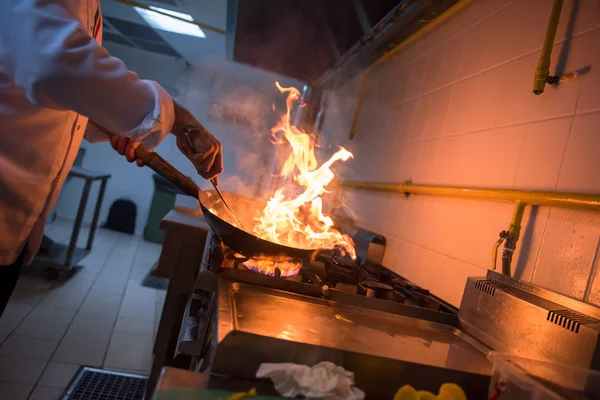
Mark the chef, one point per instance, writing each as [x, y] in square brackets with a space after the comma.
[54, 75]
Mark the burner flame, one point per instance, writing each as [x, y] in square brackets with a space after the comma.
[267, 265]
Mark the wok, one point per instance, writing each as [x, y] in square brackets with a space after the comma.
[244, 208]
[238, 239]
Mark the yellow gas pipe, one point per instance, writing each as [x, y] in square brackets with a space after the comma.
[390, 54]
[543, 70]
[521, 198]
[510, 237]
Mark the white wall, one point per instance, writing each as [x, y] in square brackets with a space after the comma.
[209, 83]
[456, 108]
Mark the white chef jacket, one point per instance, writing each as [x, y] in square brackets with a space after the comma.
[54, 75]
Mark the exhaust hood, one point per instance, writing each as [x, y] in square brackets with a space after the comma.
[321, 42]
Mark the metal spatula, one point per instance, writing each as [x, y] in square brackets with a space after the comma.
[186, 133]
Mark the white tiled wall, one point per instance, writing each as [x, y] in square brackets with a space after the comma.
[456, 108]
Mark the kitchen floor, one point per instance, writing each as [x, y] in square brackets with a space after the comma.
[100, 317]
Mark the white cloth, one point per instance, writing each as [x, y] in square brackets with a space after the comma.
[324, 380]
[54, 75]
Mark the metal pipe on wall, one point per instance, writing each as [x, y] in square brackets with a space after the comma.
[514, 230]
[542, 198]
[543, 70]
[521, 198]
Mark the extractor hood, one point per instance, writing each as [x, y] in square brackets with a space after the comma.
[322, 42]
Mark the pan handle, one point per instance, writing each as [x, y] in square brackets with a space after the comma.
[160, 166]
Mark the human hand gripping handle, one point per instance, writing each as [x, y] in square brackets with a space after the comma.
[197, 144]
[193, 140]
[149, 158]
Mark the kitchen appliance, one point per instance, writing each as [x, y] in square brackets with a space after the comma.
[237, 318]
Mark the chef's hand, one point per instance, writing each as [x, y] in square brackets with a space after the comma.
[205, 151]
[126, 147]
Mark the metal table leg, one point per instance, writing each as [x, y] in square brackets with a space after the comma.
[78, 220]
[96, 214]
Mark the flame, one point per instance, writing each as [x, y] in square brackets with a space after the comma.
[266, 265]
[299, 221]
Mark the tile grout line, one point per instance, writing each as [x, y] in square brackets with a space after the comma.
[121, 303]
[38, 303]
[68, 327]
[539, 250]
[517, 124]
[592, 276]
[20, 322]
[485, 70]
[457, 34]
[428, 249]
[562, 160]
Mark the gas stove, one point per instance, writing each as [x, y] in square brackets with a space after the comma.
[324, 276]
[369, 320]
[355, 313]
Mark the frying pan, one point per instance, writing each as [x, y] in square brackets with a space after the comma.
[233, 237]
[238, 239]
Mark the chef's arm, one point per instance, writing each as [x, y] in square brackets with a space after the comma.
[56, 62]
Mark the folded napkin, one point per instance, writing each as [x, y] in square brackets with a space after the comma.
[324, 380]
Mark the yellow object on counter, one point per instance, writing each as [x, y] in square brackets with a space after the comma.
[242, 395]
[448, 391]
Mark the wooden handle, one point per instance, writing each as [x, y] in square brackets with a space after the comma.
[159, 165]
[141, 151]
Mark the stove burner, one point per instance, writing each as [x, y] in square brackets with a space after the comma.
[278, 266]
[326, 271]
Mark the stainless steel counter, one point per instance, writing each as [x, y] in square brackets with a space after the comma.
[262, 311]
[180, 260]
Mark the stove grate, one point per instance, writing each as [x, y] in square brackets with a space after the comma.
[97, 384]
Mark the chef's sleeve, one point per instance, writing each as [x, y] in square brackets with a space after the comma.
[58, 64]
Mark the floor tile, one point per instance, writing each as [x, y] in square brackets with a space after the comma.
[137, 308]
[97, 314]
[112, 287]
[132, 325]
[45, 393]
[97, 330]
[90, 263]
[137, 291]
[129, 351]
[87, 273]
[81, 351]
[58, 375]
[7, 326]
[20, 370]
[17, 309]
[15, 391]
[67, 298]
[86, 306]
[96, 259]
[35, 328]
[45, 313]
[28, 347]
[112, 276]
[29, 290]
[138, 274]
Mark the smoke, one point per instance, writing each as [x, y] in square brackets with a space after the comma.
[237, 185]
[236, 103]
